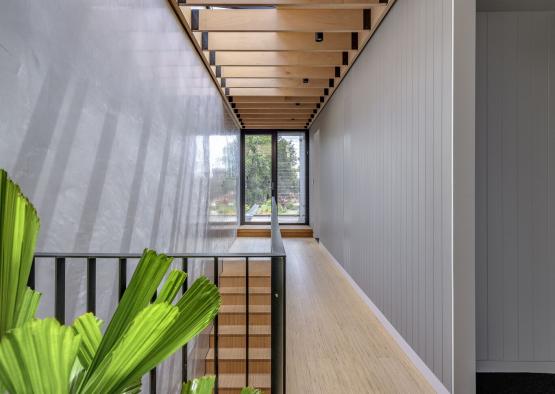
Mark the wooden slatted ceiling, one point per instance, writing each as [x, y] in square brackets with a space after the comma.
[266, 58]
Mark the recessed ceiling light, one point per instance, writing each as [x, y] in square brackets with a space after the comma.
[305, 80]
[319, 36]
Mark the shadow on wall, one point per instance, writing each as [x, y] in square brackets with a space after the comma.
[114, 129]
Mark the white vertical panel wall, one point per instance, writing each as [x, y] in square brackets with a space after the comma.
[385, 176]
[515, 221]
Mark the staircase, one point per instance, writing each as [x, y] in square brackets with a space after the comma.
[232, 339]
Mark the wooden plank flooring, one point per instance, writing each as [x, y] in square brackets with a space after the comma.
[335, 344]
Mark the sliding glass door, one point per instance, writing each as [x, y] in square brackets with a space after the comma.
[274, 164]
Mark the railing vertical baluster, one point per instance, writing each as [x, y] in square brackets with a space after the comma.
[91, 285]
[216, 331]
[122, 276]
[31, 280]
[184, 355]
[247, 320]
[153, 370]
[60, 289]
[153, 381]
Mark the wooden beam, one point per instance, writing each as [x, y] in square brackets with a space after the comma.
[302, 117]
[280, 127]
[275, 72]
[277, 106]
[321, 20]
[330, 3]
[269, 111]
[275, 41]
[299, 92]
[277, 58]
[274, 99]
[276, 83]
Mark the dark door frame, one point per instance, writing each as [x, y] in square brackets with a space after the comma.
[274, 186]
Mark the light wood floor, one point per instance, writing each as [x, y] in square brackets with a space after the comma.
[335, 344]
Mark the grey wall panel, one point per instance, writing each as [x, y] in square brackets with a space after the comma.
[385, 176]
[514, 262]
[114, 129]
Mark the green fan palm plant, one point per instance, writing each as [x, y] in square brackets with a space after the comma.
[44, 356]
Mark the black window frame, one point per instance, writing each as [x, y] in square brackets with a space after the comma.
[275, 186]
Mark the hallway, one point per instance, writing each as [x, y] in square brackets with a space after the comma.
[334, 342]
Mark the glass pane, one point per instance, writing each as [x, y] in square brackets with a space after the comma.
[258, 178]
[291, 177]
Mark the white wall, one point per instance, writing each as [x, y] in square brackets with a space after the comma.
[386, 176]
[515, 192]
[112, 126]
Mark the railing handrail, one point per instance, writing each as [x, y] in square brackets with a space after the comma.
[139, 255]
[277, 243]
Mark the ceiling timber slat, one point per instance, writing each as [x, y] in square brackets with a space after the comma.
[299, 92]
[277, 83]
[276, 20]
[276, 41]
[277, 58]
[278, 62]
[275, 72]
[331, 3]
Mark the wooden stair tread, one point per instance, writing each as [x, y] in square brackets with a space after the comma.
[238, 354]
[264, 231]
[240, 330]
[242, 290]
[231, 381]
[242, 309]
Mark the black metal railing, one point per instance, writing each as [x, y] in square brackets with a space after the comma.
[278, 269]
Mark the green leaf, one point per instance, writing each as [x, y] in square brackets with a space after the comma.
[28, 306]
[197, 308]
[203, 385]
[19, 226]
[87, 326]
[172, 286]
[126, 364]
[148, 275]
[251, 390]
[38, 357]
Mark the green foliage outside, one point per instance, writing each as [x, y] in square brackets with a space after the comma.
[258, 175]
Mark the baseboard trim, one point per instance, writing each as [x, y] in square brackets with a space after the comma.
[405, 347]
[516, 366]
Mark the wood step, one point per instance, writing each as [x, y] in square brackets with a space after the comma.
[232, 360]
[236, 295]
[264, 231]
[233, 383]
[239, 281]
[235, 337]
[238, 268]
[234, 315]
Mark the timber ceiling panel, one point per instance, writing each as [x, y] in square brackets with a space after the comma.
[277, 62]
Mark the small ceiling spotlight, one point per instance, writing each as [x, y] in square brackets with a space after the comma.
[305, 80]
[319, 36]
[297, 104]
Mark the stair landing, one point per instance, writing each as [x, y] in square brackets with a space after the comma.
[287, 231]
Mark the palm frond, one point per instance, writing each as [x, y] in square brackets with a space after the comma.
[19, 226]
[87, 326]
[149, 273]
[38, 357]
[126, 363]
[171, 287]
[251, 390]
[203, 385]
